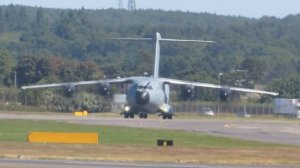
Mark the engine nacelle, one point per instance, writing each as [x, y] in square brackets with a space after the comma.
[225, 94]
[187, 92]
[104, 89]
[69, 90]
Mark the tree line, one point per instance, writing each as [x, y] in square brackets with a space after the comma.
[41, 45]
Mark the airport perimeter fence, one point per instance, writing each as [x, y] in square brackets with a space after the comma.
[235, 109]
[13, 102]
[224, 109]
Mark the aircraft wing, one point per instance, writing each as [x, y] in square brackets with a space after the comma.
[117, 80]
[198, 84]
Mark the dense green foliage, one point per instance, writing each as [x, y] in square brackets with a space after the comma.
[54, 45]
[287, 87]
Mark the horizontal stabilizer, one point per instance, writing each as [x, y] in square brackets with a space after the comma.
[179, 40]
[138, 39]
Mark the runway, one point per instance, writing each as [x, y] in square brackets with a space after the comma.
[12, 163]
[265, 131]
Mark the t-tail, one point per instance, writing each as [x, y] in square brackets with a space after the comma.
[157, 55]
[157, 47]
[157, 50]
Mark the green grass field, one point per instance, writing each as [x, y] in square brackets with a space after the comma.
[139, 144]
[17, 130]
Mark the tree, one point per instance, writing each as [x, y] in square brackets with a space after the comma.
[255, 69]
[56, 65]
[65, 27]
[40, 20]
[42, 68]
[88, 70]
[2, 23]
[23, 22]
[257, 45]
[68, 72]
[144, 63]
[11, 17]
[26, 70]
[287, 87]
[6, 65]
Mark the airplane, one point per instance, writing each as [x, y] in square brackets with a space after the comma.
[149, 94]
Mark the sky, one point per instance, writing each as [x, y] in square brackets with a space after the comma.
[247, 8]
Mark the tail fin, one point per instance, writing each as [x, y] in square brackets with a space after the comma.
[157, 47]
[157, 55]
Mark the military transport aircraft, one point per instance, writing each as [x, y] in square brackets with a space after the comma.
[149, 94]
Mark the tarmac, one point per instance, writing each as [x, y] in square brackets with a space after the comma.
[93, 164]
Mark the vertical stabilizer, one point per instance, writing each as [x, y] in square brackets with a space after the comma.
[157, 47]
[157, 55]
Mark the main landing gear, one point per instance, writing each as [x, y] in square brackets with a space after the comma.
[128, 115]
[142, 115]
[167, 116]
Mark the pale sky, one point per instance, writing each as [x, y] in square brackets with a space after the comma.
[248, 8]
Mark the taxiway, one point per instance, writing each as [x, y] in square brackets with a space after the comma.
[93, 164]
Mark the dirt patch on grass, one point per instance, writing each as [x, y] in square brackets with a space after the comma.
[263, 156]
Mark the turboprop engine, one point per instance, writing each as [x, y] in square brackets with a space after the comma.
[187, 92]
[225, 94]
[104, 89]
[69, 90]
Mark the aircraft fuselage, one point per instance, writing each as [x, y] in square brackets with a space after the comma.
[147, 94]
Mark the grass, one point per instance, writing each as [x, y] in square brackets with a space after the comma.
[17, 130]
[139, 144]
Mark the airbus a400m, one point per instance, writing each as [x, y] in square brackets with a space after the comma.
[149, 94]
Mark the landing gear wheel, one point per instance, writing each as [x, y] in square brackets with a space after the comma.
[143, 115]
[128, 115]
[164, 117]
[167, 116]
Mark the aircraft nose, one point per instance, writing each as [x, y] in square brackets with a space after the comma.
[142, 97]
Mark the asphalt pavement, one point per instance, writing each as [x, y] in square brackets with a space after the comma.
[12, 163]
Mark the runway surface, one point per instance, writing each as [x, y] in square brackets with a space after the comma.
[12, 163]
[266, 131]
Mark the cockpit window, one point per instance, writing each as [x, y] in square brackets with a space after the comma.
[145, 87]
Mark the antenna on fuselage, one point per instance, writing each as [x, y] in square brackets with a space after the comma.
[157, 47]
